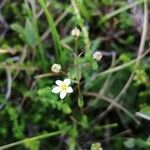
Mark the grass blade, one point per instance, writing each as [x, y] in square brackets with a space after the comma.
[53, 30]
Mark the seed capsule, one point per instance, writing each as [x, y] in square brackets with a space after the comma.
[75, 32]
[97, 56]
[56, 68]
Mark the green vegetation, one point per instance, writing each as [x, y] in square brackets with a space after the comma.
[102, 47]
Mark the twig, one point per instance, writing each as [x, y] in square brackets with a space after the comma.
[107, 82]
[49, 75]
[2, 4]
[114, 104]
[126, 132]
[9, 85]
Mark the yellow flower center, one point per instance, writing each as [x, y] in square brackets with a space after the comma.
[63, 87]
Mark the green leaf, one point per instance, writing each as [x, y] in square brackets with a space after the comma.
[44, 91]
[16, 27]
[80, 101]
[95, 44]
[144, 113]
[94, 66]
[30, 33]
[32, 145]
[148, 141]
[130, 143]
[146, 110]
[67, 109]
[84, 121]
[82, 8]
[47, 98]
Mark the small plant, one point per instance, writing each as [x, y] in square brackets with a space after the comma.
[74, 75]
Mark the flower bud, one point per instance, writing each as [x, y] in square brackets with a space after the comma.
[75, 32]
[97, 56]
[96, 146]
[56, 68]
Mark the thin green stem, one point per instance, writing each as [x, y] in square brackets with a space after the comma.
[77, 60]
[108, 126]
[123, 66]
[77, 66]
[118, 11]
[30, 139]
[78, 71]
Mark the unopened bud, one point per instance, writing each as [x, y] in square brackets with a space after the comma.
[97, 56]
[75, 32]
[56, 68]
[96, 146]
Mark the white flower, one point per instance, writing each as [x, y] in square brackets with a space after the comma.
[97, 56]
[75, 32]
[62, 87]
[56, 68]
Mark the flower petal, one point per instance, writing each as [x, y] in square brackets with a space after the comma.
[59, 82]
[62, 94]
[69, 89]
[56, 89]
[67, 82]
